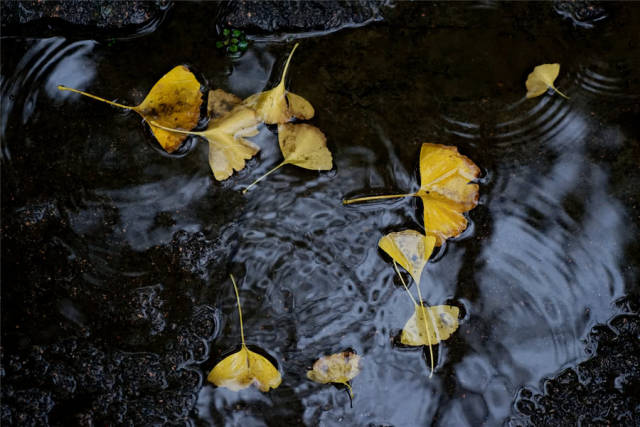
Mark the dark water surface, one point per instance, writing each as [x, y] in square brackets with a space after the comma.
[98, 221]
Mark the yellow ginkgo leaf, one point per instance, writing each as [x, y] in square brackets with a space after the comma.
[228, 149]
[278, 105]
[409, 248]
[445, 190]
[430, 325]
[302, 145]
[174, 101]
[244, 367]
[220, 103]
[542, 78]
[337, 368]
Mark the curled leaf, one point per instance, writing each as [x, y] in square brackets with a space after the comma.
[220, 103]
[174, 101]
[228, 148]
[244, 367]
[278, 105]
[542, 78]
[430, 325]
[337, 368]
[445, 190]
[302, 145]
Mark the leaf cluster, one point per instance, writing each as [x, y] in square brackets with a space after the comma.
[172, 110]
[447, 192]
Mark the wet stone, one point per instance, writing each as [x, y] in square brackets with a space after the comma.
[151, 341]
[582, 13]
[103, 14]
[605, 389]
[300, 16]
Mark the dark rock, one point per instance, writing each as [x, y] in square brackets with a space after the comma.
[582, 13]
[102, 14]
[299, 16]
[603, 390]
[131, 351]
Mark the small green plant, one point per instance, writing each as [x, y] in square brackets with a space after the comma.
[233, 42]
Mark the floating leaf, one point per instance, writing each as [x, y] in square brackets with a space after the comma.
[220, 103]
[541, 79]
[409, 248]
[302, 145]
[337, 368]
[278, 105]
[228, 149]
[430, 325]
[245, 367]
[445, 190]
[173, 101]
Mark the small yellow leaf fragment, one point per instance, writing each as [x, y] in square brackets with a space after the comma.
[430, 325]
[243, 369]
[299, 107]
[445, 190]
[220, 103]
[302, 145]
[542, 78]
[409, 248]
[278, 105]
[337, 368]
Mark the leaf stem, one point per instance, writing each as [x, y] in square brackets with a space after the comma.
[235, 287]
[386, 196]
[424, 313]
[426, 326]
[63, 88]
[349, 388]
[560, 93]
[264, 176]
[186, 132]
[286, 66]
[395, 265]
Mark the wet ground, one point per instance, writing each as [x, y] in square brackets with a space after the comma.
[115, 256]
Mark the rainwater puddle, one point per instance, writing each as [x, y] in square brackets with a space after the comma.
[548, 252]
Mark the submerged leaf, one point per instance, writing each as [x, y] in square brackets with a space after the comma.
[174, 101]
[337, 368]
[430, 325]
[542, 78]
[228, 149]
[278, 105]
[220, 103]
[302, 145]
[445, 190]
[244, 367]
[410, 249]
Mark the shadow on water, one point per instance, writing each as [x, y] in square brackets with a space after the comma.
[548, 250]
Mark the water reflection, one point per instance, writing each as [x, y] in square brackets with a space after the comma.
[541, 262]
[47, 63]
